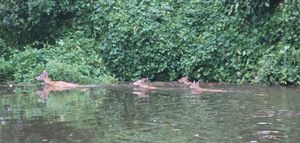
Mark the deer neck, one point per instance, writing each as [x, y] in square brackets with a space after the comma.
[47, 81]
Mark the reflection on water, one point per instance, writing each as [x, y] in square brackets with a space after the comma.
[248, 114]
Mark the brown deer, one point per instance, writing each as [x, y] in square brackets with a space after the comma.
[50, 85]
[142, 83]
[57, 84]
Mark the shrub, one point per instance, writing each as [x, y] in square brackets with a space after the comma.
[5, 70]
[227, 41]
[72, 59]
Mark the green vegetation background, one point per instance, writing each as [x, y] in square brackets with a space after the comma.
[92, 41]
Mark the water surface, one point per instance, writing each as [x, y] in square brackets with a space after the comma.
[245, 114]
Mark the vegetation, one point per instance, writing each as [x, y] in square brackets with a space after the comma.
[237, 41]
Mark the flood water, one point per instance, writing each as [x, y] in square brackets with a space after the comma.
[244, 114]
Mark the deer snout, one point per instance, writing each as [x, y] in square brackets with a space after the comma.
[37, 78]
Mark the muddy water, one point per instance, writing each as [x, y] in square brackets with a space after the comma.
[175, 115]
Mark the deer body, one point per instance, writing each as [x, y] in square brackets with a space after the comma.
[197, 89]
[148, 87]
[62, 84]
[185, 80]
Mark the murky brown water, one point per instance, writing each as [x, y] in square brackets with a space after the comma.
[121, 114]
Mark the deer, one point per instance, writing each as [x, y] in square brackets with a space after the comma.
[185, 80]
[142, 83]
[50, 85]
[58, 84]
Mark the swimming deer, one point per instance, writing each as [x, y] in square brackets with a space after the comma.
[58, 84]
[185, 80]
[142, 83]
[196, 89]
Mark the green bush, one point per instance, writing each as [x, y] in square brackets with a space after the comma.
[5, 70]
[223, 41]
[72, 59]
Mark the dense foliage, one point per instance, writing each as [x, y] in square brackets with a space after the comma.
[231, 40]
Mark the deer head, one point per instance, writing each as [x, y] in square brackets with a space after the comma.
[195, 85]
[44, 77]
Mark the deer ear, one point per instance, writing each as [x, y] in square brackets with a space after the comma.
[45, 73]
